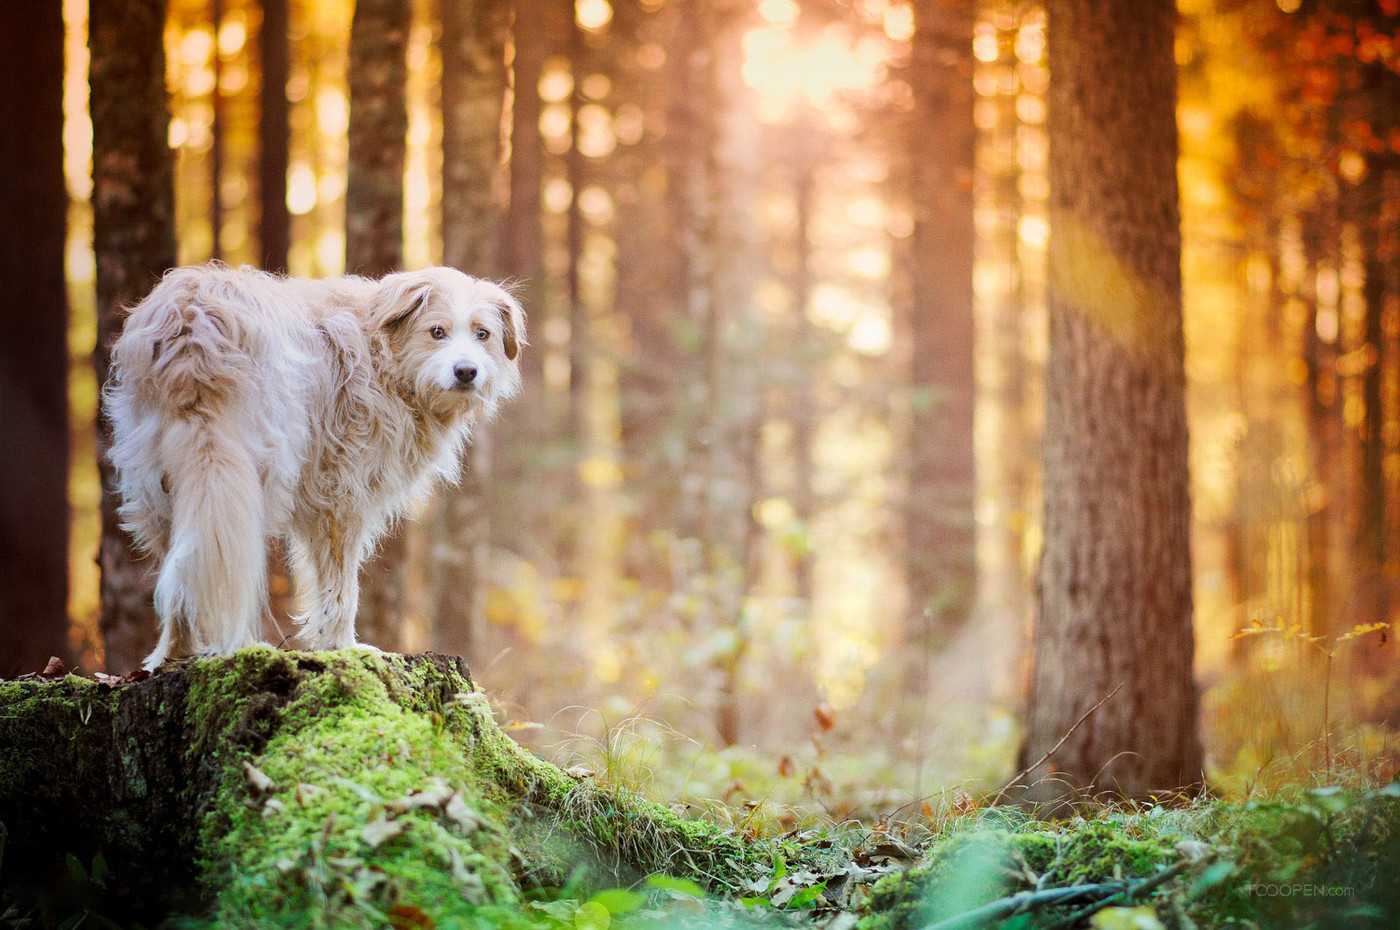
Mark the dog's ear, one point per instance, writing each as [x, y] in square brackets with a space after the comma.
[512, 326]
[399, 298]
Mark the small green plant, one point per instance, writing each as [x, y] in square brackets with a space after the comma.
[783, 891]
[1328, 647]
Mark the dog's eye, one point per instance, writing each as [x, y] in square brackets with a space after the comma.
[483, 334]
[437, 332]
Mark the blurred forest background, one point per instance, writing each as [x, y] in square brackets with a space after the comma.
[774, 488]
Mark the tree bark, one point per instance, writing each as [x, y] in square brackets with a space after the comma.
[274, 220]
[941, 561]
[377, 135]
[133, 203]
[1115, 601]
[473, 95]
[34, 352]
[374, 236]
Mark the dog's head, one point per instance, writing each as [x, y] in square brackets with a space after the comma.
[453, 339]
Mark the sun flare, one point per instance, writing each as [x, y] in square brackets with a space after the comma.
[785, 69]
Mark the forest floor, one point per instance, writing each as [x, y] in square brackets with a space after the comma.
[348, 789]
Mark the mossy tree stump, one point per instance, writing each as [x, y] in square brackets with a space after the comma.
[310, 788]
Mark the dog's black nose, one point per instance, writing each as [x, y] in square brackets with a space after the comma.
[465, 372]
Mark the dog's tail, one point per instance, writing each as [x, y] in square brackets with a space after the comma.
[186, 361]
[213, 581]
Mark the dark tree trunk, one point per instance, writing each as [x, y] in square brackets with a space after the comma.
[216, 140]
[274, 221]
[473, 94]
[374, 235]
[34, 352]
[133, 204]
[1115, 578]
[378, 131]
[942, 545]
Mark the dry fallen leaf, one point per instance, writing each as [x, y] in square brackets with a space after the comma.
[257, 779]
[463, 816]
[380, 831]
[409, 915]
[1194, 850]
[434, 796]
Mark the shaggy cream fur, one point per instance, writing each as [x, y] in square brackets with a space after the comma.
[247, 406]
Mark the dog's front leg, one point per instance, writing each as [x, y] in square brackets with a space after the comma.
[329, 566]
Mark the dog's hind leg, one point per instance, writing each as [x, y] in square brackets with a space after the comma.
[214, 579]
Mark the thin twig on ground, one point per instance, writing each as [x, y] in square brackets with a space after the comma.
[1126, 896]
[1043, 759]
[1104, 894]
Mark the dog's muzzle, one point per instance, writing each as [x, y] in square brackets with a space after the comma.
[465, 373]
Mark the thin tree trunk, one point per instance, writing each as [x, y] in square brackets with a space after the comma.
[734, 375]
[473, 94]
[576, 172]
[34, 352]
[374, 234]
[1371, 542]
[942, 544]
[803, 405]
[216, 138]
[515, 460]
[522, 248]
[691, 139]
[133, 202]
[1115, 577]
[1012, 465]
[648, 296]
[1319, 402]
[274, 221]
[378, 131]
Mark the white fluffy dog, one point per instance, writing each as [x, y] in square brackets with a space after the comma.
[247, 406]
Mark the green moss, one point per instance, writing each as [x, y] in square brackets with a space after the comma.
[32, 712]
[303, 844]
[347, 788]
[573, 829]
